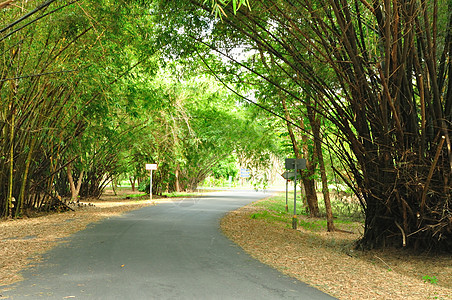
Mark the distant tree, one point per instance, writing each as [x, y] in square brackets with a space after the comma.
[197, 126]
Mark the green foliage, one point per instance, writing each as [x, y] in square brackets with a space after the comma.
[93, 92]
[430, 279]
[59, 81]
[362, 71]
[281, 216]
[218, 6]
[260, 182]
[191, 129]
[346, 208]
[318, 225]
[144, 186]
[226, 168]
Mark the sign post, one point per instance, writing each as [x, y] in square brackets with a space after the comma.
[294, 164]
[244, 173]
[151, 167]
[287, 194]
[288, 176]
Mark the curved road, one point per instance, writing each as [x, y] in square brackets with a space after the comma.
[174, 250]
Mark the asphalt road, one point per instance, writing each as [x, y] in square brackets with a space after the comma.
[172, 250]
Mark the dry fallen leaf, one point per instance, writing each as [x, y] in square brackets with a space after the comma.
[323, 260]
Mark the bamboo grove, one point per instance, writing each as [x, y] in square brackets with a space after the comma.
[380, 72]
[63, 118]
[43, 107]
[84, 100]
[377, 72]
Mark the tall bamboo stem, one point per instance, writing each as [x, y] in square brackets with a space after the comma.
[9, 204]
[20, 204]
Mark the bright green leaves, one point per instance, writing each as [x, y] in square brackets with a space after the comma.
[67, 102]
[193, 126]
[218, 6]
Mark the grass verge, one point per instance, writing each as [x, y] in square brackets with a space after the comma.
[346, 217]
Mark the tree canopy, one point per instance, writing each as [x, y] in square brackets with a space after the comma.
[87, 96]
[94, 89]
[380, 73]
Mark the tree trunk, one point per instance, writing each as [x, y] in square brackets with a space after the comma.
[318, 149]
[308, 178]
[132, 183]
[75, 190]
[177, 179]
[311, 195]
[308, 182]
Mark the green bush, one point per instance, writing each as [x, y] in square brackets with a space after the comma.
[144, 186]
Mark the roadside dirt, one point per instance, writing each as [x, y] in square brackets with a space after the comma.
[328, 262]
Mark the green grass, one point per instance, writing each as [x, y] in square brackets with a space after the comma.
[269, 216]
[180, 194]
[312, 225]
[278, 204]
[136, 195]
[274, 210]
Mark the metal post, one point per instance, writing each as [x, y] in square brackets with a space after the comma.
[150, 187]
[294, 219]
[287, 192]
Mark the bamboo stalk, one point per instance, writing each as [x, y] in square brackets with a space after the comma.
[430, 174]
[6, 3]
[9, 207]
[423, 116]
[20, 204]
[403, 234]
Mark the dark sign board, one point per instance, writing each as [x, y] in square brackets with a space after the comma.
[290, 163]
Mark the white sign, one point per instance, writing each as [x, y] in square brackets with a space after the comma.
[244, 173]
[151, 166]
[290, 175]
